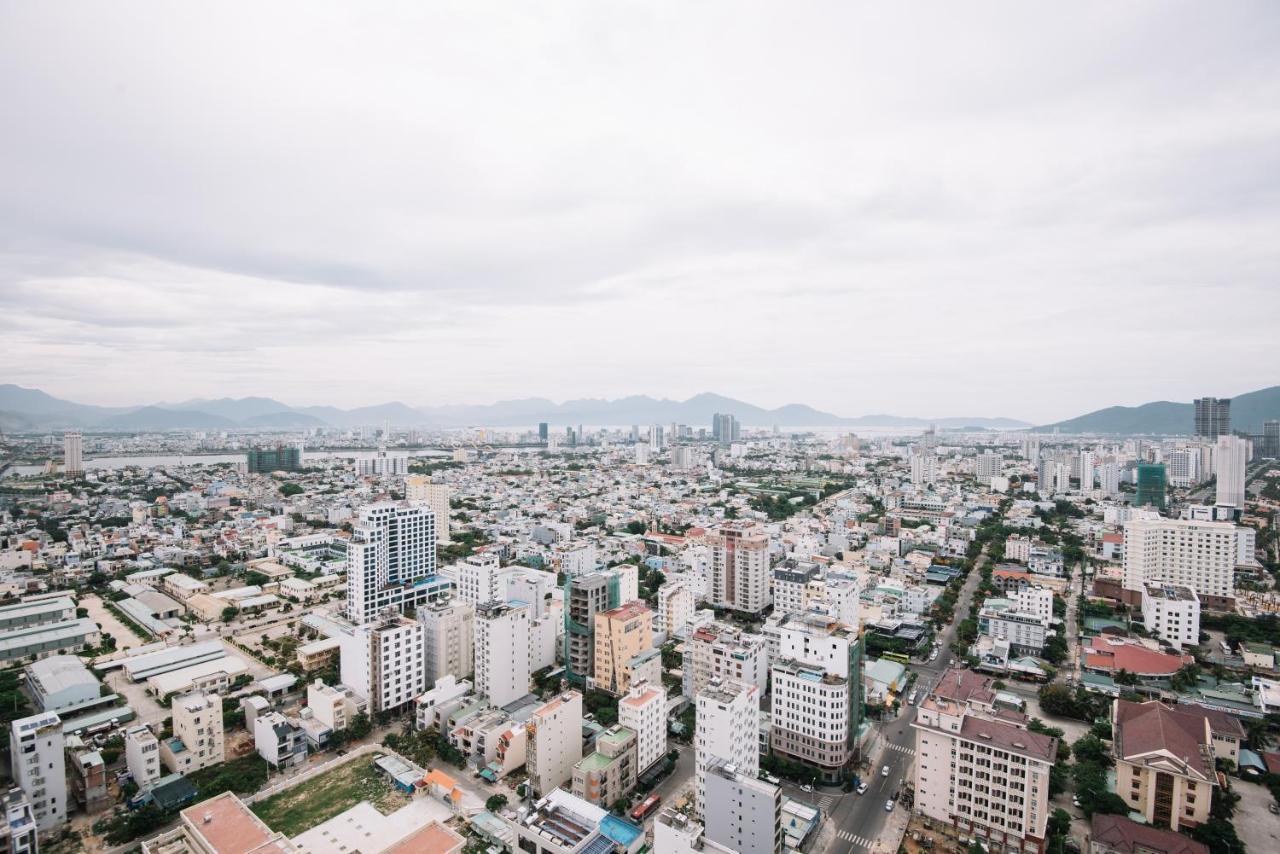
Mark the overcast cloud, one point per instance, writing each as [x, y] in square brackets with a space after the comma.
[1018, 209]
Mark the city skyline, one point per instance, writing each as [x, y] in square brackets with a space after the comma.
[831, 206]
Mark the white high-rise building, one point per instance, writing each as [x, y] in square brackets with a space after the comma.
[39, 767]
[740, 568]
[502, 651]
[924, 467]
[142, 755]
[383, 464]
[198, 738]
[1199, 555]
[575, 558]
[384, 662]
[728, 730]
[644, 710]
[448, 639]
[742, 812]
[554, 745]
[1036, 601]
[1109, 479]
[391, 561]
[1232, 456]
[73, 453]
[1062, 477]
[1086, 471]
[418, 489]
[1171, 612]
[1047, 476]
[481, 578]
[675, 607]
[987, 465]
[1184, 467]
[718, 651]
[643, 455]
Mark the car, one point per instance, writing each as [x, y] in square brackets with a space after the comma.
[1075, 800]
[862, 788]
[806, 788]
[888, 806]
[884, 772]
[911, 701]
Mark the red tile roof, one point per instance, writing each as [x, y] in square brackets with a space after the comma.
[1113, 655]
[1121, 834]
[1145, 728]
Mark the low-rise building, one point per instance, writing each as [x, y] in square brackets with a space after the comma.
[198, 738]
[554, 744]
[1164, 762]
[142, 755]
[741, 812]
[608, 774]
[280, 742]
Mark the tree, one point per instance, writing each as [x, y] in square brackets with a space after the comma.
[288, 490]
[1055, 649]
[495, 803]
[361, 726]
[1258, 731]
[229, 613]
[1220, 836]
[1090, 748]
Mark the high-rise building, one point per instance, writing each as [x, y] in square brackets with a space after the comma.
[1213, 417]
[73, 453]
[1046, 476]
[1109, 479]
[585, 596]
[279, 458]
[621, 634]
[988, 465]
[481, 578]
[655, 437]
[727, 730]
[1195, 554]
[924, 466]
[418, 489]
[676, 604]
[1086, 471]
[817, 693]
[448, 639]
[1231, 459]
[554, 743]
[543, 432]
[1271, 439]
[391, 561]
[1151, 486]
[644, 710]
[502, 651]
[740, 568]
[384, 662]
[725, 428]
[721, 652]
[197, 740]
[741, 812]
[1184, 467]
[36, 751]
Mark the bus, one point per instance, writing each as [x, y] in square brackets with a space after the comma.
[900, 657]
[646, 808]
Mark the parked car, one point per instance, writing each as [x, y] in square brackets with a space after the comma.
[862, 788]
[806, 788]
[888, 806]
[884, 772]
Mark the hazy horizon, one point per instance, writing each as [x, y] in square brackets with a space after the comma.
[928, 210]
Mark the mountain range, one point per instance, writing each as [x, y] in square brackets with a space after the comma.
[25, 409]
[1248, 412]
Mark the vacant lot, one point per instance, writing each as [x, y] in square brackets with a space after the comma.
[321, 798]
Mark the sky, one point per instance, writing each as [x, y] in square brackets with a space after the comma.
[931, 209]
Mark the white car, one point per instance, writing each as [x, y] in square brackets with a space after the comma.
[888, 805]
[806, 788]
[862, 788]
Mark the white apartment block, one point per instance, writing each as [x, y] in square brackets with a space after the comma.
[1036, 601]
[1024, 632]
[1231, 457]
[391, 561]
[73, 453]
[628, 575]
[198, 738]
[333, 706]
[987, 465]
[676, 604]
[448, 638]
[502, 651]
[644, 710]
[988, 778]
[1109, 479]
[280, 742]
[1172, 613]
[924, 467]
[1184, 467]
[1199, 555]
[720, 651]
[38, 765]
[575, 558]
[142, 755]
[418, 489]
[384, 662]
[728, 724]
[1087, 463]
[742, 812]
[481, 579]
[1018, 549]
[740, 568]
[796, 588]
[555, 743]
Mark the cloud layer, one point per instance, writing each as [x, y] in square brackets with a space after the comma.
[1003, 209]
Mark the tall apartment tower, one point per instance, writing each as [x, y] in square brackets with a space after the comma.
[1232, 457]
[384, 662]
[554, 743]
[73, 453]
[728, 730]
[449, 639]
[502, 651]
[1213, 417]
[742, 812]
[418, 489]
[1086, 471]
[585, 596]
[39, 767]
[543, 432]
[1195, 554]
[1271, 439]
[740, 568]
[1151, 485]
[391, 561]
[1109, 479]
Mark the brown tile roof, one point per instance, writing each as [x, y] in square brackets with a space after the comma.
[1009, 737]
[963, 685]
[1145, 728]
[1121, 834]
[435, 838]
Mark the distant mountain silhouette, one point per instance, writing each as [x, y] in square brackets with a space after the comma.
[1248, 412]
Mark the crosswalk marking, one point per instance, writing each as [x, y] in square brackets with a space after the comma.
[826, 802]
[902, 748]
[846, 836]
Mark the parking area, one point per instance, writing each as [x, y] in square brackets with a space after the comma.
[125, 638]
[1257, 826]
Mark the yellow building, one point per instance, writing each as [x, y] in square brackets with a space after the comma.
[1164, 762]
[620, 635]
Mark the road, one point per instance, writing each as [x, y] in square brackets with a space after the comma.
[858, 820]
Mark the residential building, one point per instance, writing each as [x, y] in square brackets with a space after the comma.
[73, 453]
[980, 770]
[1184, 467]
[86, 779]
[720, 651]
[1117, 834]
[448, 638]
[142, 756]
[1109, 479]
[1231, 458]
[282, 743]
[728, 719]
[740, 568]
[481, 578]
[198, 738]
[1003, 620]
[38, 765]
[676, 605]
[676, 833]
[18, 831]
[987, 465]
[392, 561]
[554, 742]
[575, 558]
[1199, 555]
[385, 662]
[1164, 763]
[448, 695]
[585, 596]
[741, 812]
[1213, 417]
[1151, 485]
[644, 711]
[502, 651]
[621, 634]
[419, 489]
[609, 773]
[334, 706]
[1086, 471]
[1171, 612]
[267, 460]
[222, 824]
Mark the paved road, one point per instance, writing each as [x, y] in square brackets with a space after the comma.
[858, 820]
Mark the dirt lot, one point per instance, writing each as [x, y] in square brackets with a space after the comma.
[1258, 829]
[125, 638]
